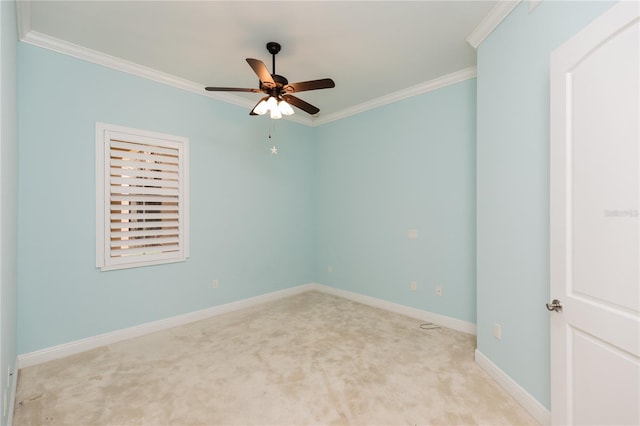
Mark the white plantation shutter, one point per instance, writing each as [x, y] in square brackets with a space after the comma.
[141, 198]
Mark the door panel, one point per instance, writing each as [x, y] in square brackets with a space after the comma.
[604, 178]
[595, 231]
[614, 388]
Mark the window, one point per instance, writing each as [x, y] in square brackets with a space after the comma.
[141, 198]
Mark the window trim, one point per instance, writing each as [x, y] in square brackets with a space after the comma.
[104, 134]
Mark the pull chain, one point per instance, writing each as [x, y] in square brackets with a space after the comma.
[272, 134]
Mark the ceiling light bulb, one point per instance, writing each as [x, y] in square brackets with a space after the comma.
[285, 108]
[272, 104]
[261, 108]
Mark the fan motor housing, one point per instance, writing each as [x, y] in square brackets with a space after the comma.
[281, 81]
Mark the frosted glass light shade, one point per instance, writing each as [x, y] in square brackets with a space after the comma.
[272, 104]
[261, 108]
[275, 113]
[285, 108]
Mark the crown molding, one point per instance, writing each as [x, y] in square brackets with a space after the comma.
[41, 40]
[23, 14]
[419, 89]
[490, 22]
[27, 35]
[533, 4]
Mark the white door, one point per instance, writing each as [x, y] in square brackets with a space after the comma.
[595, 233]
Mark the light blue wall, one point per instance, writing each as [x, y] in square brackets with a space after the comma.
[408, 165]
[8, 200]
[254, 217]
[250, 211]
[513, 186]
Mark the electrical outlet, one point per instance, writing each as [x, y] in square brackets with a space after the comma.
[438, 291]
[329, 269]
[216, 284]
[497, 331]
[414, 285]
[412, 234]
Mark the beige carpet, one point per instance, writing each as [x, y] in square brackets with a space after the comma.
[307, 359]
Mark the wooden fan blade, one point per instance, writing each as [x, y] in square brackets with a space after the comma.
[299, 103]
[262, 72]
[231, 89]
[325, 83]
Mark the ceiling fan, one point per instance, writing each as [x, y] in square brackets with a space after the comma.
[277, 88]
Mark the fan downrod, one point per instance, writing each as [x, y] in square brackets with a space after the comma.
[273, 48]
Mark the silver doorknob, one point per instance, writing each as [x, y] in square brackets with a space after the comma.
[555, 305]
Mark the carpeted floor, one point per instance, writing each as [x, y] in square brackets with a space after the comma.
[308, 359]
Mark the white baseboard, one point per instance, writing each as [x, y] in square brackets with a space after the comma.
[444, 321]
[71, 348]
[524, 398]
[82, 345]
[12, 395]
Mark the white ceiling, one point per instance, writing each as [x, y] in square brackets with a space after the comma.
[371, 49]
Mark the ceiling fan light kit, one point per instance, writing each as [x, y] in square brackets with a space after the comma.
[277, 108]
[277, 88]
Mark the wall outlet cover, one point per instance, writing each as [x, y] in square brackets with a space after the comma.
[497, 331]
